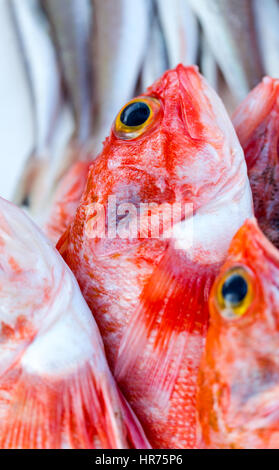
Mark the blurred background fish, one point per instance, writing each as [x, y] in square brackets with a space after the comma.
[72, 64]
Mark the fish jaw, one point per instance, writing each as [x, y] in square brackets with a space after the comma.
[56, 389]
[239, 372]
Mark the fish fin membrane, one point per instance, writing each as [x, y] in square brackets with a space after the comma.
[62, 244]
[135, 433]
[72, 412]
[173, 309]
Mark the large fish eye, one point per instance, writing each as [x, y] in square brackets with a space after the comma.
[136, 117]
[234, 289]
[135, 114]
[234, 292]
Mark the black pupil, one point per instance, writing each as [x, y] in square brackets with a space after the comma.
[234, 289]
[135, 114]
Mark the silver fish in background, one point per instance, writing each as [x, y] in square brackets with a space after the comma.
[71, 26]
[156, 60]
[180, 30]
[71, 22]
[208, 63]
[230, 30]
[46, 90]
[267, 24]
[119, 42]
[56, 389]
[17, 129]
[229, 99]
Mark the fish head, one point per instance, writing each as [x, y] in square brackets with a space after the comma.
[173, 144]
[238, 397]
[259, 107]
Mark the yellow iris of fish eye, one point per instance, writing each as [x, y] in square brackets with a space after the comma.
[230, 309]
[127, 132]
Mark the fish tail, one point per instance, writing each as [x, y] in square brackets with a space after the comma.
[76, 412]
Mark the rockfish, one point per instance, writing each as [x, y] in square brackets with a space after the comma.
[56, 389]
[147, 282]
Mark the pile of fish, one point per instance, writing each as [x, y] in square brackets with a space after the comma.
[140, 305]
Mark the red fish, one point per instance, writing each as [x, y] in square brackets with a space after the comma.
[56, 389]
[66, 200]
[173, 145]
[256, 121]
[238, 398]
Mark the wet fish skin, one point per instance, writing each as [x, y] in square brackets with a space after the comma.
[239, 374]
[152, 336]
[56, 389]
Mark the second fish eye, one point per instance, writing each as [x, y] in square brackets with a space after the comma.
[234, 292]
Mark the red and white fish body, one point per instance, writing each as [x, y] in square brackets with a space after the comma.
[56, 389]
[238, 403]
[149, 294]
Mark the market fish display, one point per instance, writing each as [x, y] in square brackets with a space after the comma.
[239, 377]
[145, 228]
[56, 390]
[173, 147]
[257, 126]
